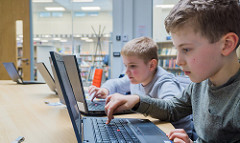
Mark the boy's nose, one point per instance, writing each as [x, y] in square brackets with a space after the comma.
[180, 60]
[127, 71]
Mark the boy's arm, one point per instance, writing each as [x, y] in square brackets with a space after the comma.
[169, 109]
[117, 85]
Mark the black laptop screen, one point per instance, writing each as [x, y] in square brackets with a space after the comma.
[12, 72]
[68, 94]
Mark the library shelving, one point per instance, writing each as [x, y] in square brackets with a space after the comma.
[167, 55]
[20, 61]
[88, 62]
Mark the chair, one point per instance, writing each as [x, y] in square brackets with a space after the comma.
[97, 78]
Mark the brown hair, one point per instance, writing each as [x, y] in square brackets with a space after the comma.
[211, 18]
[143, 47]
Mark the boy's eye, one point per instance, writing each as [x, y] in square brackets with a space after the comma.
[185, 50]
[132, 66]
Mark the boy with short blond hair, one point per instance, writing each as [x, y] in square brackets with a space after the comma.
[206, 35]
[144, 77]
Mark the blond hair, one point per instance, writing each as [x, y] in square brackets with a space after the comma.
[143, 47]
[211, 18]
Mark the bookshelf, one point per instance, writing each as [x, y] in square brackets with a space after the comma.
[87, 60]
[21, 60]
[167, 55]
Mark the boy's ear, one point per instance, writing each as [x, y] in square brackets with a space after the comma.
[153, 64]
[230, 43]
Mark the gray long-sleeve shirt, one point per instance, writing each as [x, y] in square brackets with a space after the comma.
[216, 110]
[163, 86]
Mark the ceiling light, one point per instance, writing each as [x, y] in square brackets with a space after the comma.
[89, 40]
[55, 8]
[77, 35]
[44, 41]
[42, 1]
[56, 39]
[84, 38]
[94, 8]
[63, 40]
[82, 0]
[36, 39]
[165, 6]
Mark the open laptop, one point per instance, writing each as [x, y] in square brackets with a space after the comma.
[46, 76]
[94, 129]
[13, 73]
[87, 107]
[58, 88]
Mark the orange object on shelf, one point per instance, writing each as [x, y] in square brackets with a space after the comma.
[97, 78]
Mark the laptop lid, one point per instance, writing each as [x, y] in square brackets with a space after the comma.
[12, 72]
[74, 75]
[46, 76]
[59, 91]
[66, 89]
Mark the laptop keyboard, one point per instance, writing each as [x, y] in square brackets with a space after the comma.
[117, 131]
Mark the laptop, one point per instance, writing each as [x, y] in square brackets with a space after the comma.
[94, 129]
[46, 76]
[87, 107]
[13, 73]
[58, 88]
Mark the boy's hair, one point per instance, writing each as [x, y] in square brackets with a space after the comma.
[211, 18]
[143, 47]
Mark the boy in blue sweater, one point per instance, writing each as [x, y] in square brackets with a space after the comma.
[144, 77]
[206, 35]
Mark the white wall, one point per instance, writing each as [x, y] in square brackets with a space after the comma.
[131, 19]
[159, 32]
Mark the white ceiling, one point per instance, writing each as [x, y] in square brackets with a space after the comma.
[105, 5]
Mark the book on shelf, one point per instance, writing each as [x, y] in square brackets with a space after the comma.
[168, 51]
[169, 63]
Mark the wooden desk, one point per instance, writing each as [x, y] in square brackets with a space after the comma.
[23, 112]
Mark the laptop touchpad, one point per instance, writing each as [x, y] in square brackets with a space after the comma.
[147, 131]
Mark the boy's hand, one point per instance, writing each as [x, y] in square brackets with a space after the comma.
[179, 136]
[118, 102]
[98, 92]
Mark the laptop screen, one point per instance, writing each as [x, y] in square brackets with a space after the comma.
[74, 76]
[67, 92]
[46, 75]
[12, 72]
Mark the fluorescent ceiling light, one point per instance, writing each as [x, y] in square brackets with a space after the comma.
[55, 8]
[84, 38]
[42, 1]
[36, 39]
[165, 6]
[44, 41]
[77, 35]
[91, 8]
[56, 38]
[46, 36]
[82, 0]
[89, 40]
[63, 40]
